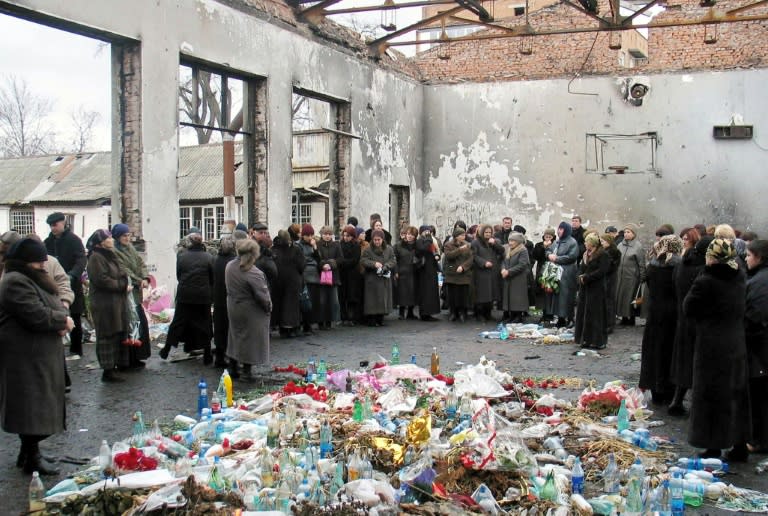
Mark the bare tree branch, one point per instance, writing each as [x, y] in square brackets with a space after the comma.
[24, 130]
[203, 108]
[83, 123]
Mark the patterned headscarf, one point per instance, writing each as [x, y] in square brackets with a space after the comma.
[723, 251]
[669, 246]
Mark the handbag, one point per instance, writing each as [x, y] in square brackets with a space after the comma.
[326, 277]
[305, 302]
[637, 302]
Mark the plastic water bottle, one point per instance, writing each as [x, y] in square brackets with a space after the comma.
[227, 388]
[622, 417]
[105, 456]
[326, 440]
[36, 494]
[699, 463]
[640, 439]
[357, 411]
[677, 502]
[215, 403]
[322, 373]
[577, 477]
[465, 409]
[665, 500]
[489, 334]
[311, 370]
[451, 404]
[501, 329]
[202, 397]
[434, 363]
[611, 476]
[395, 354]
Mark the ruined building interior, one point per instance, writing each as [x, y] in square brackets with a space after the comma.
[537, 111]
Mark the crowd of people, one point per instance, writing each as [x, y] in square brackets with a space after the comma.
[703, 293]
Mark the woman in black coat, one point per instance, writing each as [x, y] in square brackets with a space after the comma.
[351, 288]
[540, 252]
[590, 327]
[32, 322]
[488, 254]
[659, 333]
[220, 317]
[330, 254]
[427, 289]
[691, 265]
[378, 262]
[756, 328]
[407, 265]
[720, 415]
[614, 254]
[286, 311]
[192, 322]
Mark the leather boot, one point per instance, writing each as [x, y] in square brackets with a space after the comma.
[453, 316]
[676, 408]
[110, 376]
[35, 462]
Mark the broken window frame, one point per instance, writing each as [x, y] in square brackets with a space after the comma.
[596, 143]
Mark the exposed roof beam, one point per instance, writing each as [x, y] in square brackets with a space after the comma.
[421, 3]
[628, 19]
[746, 7]
[378, 46]
[521, 32]
[584, 11]
[484, 24]
[315, 14]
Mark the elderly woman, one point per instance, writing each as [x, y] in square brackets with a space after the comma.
[659, 332]
[590, 329]
[631, 271]
[308, 246]
[351, 288]
[249, 307]
[32, 322]
[108, 291]
[540, 252]
[425, 282]
[330, 254]
[134, 266]
[609, 246]
[514, 274]
[192, 323]
[756, 328]
[407, 263]
[378, 262]
[220, 316]
[488, 254]
[720, 415]
[286, 313]
[565, 253]
[691, 265]
[457, 266]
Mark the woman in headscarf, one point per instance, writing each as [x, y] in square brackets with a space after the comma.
[32, 322]
[565, 254]
[249, 307]
[108, 290]
[514, 284]
[134, 266]
[350, 290]
[756, 328]
[330, 254]
[590, 330]
[427, 289]
[691, 265]
[540, 252]
[631, 272]
[378, 261]
[720, 414]
[609, 246]
[659, 332]
[286, 311]
[488, 254]
[457, 266]
[407, 265]
[220, 316]
[308, 246]
[192, 322]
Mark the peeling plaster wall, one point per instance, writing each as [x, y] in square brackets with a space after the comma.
[386, 108]
[518, 149]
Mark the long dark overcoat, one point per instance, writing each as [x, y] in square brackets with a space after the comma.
[220, 316]
[378, 289]
[31, 357]
[659, 333]
[514, 288]
[720, 415]
[69, 250]
[351, 290]
[590, 327]
[405, 254]
[427, 289]
[487, 281]
[285, 298]
[107, 292]
[455, 256]
[249, 307]
[691, 265]
[756, 328]
[564, 301]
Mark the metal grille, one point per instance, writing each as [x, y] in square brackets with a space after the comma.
[23, 221]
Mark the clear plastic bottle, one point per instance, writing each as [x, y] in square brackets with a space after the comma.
[677, 502]
[215, 480]
[215, 403]
[665, 500]
[139, 430]
[227, 388]
[273, 430]
[202, 397]
[622, 417]
[465, 409]
[357, 411]
[434, 363]
[326, 440]
[501, 329]
[267, 468]
[105, 456]
[283, 497]
[395, 354]
[699, 463]
[451, 404]
[322, 373]
[577, 477]
[611, 476]
[311, 370]
[36, 494]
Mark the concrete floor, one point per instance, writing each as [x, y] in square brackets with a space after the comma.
[97, 411]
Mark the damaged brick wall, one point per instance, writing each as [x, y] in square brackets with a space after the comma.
[739, 45]
[340, 188]
[256, 155]
[127, 63]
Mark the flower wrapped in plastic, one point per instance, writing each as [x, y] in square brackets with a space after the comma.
[550, 278]
[606, 401]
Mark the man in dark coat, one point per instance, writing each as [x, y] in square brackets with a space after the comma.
[577, 232]
[220, 316]
[68, 249]
[266, 260]
[425, 279]
[192, 319]
[502, 236]
[286, 309]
